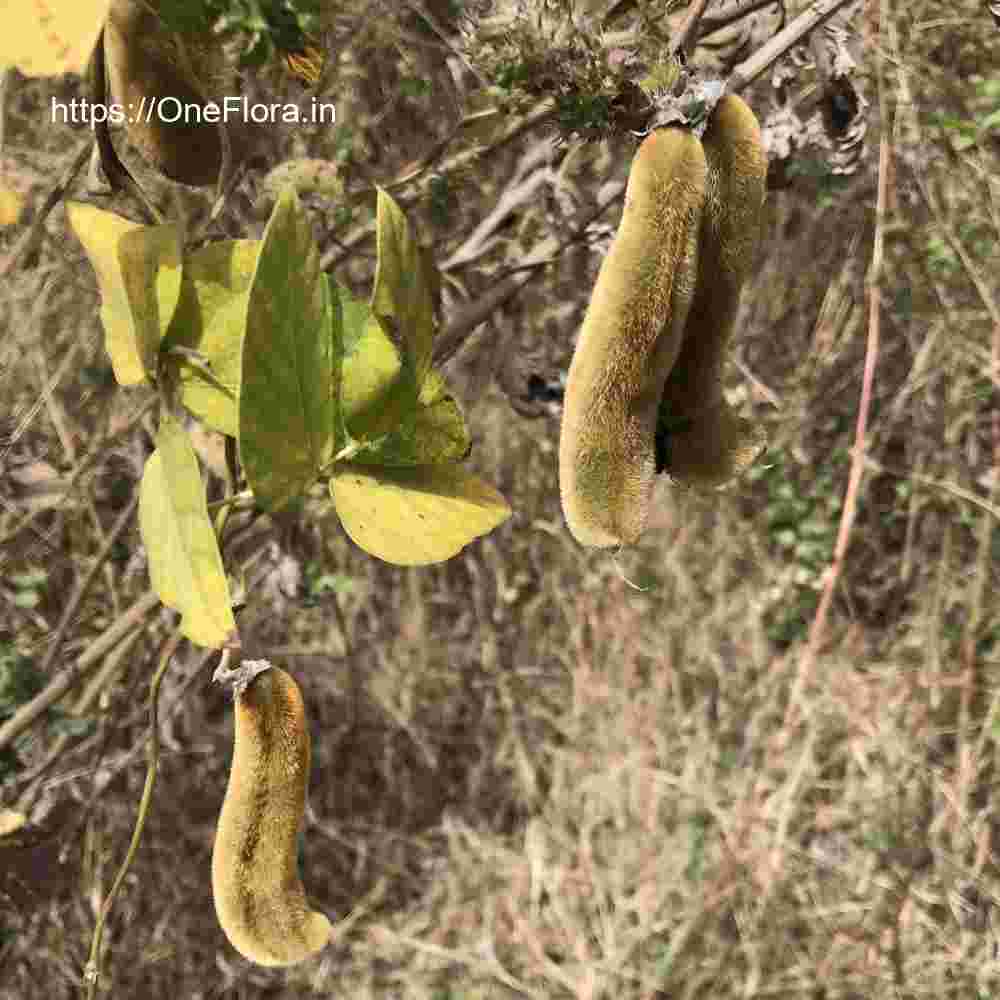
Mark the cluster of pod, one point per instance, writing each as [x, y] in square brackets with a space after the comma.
[259, 899]
[643, 396]
[644, 391]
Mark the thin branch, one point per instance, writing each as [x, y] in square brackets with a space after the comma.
[731, 13]
[92, 971]
[454, 164]
[451, 339]
[84, 584]
[688, 29]
[69, 678]
[30, 239]
[5, 77]
[419, 7]
[978, 279]
[747, 71]
[97, 449]
[35, 779]
[832, 572]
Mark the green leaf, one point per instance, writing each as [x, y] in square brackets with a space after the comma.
[289, 377]
[435, 434]
[32, 579]
[379, 389]
[72, 726]
[991, 121]
[139, 274]
[402, 297]
[415, 516]
[20, 679]
[211, 318]
[185, 567]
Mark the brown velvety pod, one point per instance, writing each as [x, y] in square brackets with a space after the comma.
[259, 898]
[143, 66]
[712, 444]
[628, 342]
[726, 451]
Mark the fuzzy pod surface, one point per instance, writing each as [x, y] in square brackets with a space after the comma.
[715, 444]
[259, 898]
[630, 338]
[145, 65]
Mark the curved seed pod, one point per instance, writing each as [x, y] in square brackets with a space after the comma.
[713, 444]
[145, 64]
[259, 898]
[629, 340]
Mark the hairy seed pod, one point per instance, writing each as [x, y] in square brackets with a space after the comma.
[259, 898]
[146, 63]
[713, 444]
[629, 340]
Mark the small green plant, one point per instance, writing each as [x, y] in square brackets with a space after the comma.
[977, 238]
[28, 587]
[828, 184]
[318, 584]
[20, 681]
[965, 132]
[701, 823]
[804, 525]
[437, 192]
[511, 74]
[414, 86]
[267, 28]
[588, 114]
[941, 259]
[343, 144]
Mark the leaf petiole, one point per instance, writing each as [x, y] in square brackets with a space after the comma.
[200, 363]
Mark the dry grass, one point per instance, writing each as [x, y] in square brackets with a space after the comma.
[532, 779]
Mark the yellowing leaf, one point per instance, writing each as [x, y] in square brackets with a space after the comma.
[415, 516]
[211, 319]
[185, 567]
[11, 205]
[48, 37]
[11, 821]
[435, 432]
[139, 273]
[306, 65]
[402, 296]
[378, 388]
[288, 380]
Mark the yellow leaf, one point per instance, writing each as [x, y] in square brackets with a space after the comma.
[415, 516]
[435, 433]
[11, 821]
[11, 205]
[402, 296]
[379, 389]
[185, 566]
[139, 273]
[48, 37]
[210, 318]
